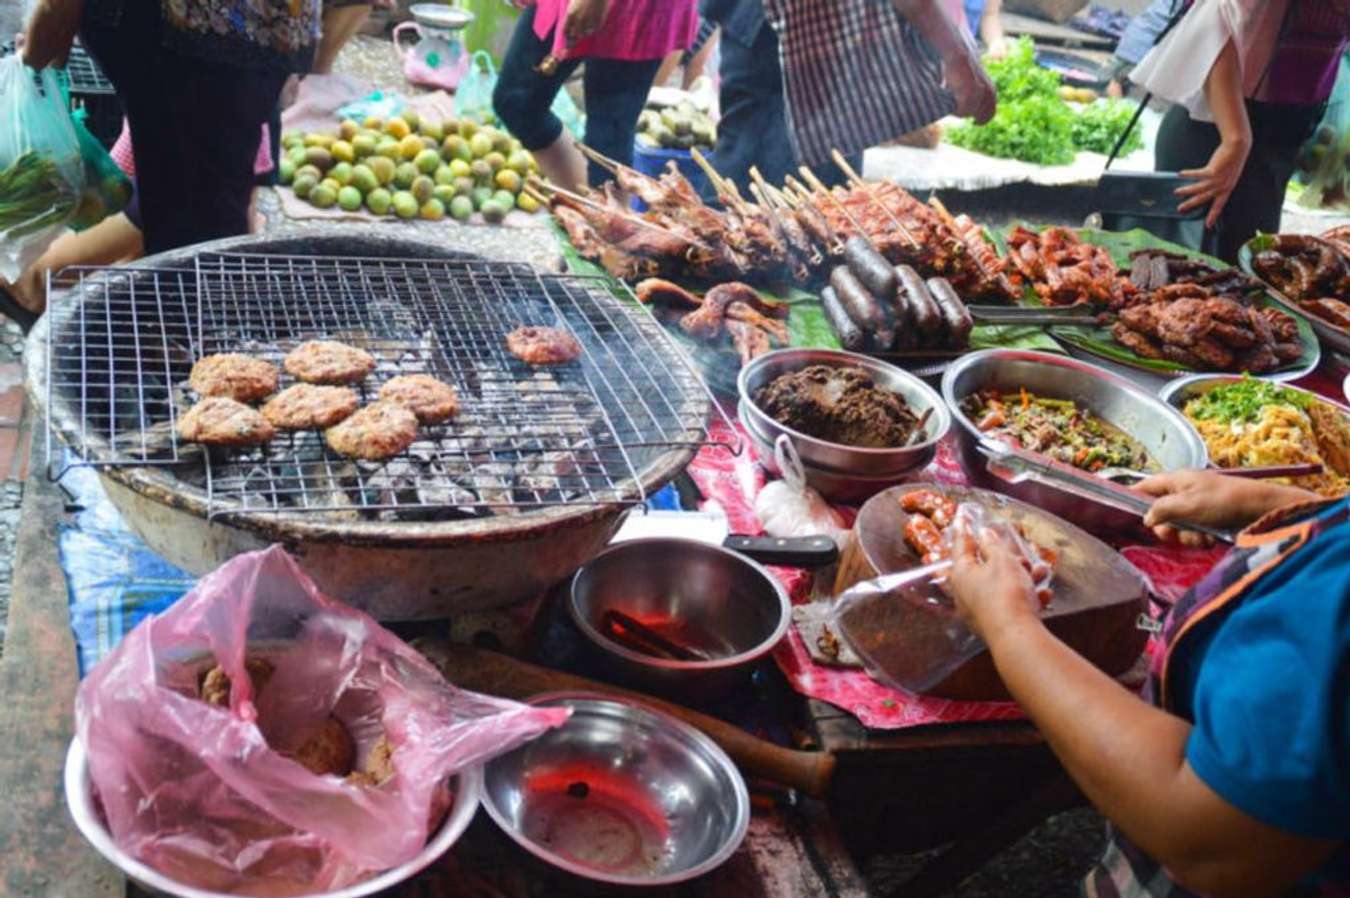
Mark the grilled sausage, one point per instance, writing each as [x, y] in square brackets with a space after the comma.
[954, 312]
[862, 307]
[850, 335]
[927, 316]
[869, 266]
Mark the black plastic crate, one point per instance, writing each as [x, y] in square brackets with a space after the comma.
[90, 90]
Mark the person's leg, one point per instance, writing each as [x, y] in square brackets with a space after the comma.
[753, 127]
[340, 22]
[616, 90]
[196, 140]
[522, 99]
[698, 59]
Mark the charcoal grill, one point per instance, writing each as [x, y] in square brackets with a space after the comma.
[525, 484]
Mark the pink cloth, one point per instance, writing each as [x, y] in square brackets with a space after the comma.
[634, 29]
[122, 152]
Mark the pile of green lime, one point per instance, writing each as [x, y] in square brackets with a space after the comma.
[410, 167]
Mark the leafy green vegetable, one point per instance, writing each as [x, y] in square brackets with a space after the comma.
[1035, 129]
[1242, 401]
[33, 194]
[1098, 126]
[1033, 123]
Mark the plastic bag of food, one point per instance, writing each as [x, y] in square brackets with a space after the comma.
[41, 172]
[206, 726]
[107, 190]
[789, 507]
[905, 628]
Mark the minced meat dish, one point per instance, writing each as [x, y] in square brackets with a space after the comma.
[838, 405]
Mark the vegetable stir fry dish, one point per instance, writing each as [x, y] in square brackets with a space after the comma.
[1056, 428]
[1250, 423]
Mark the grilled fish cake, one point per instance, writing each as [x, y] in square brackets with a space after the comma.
[431, 400]
[235, 376]
[306, 406]
[221, 421]
[536, 345]
[380, 430]
[329, 362]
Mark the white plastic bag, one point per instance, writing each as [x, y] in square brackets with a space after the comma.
[41, 169]
[789, 507]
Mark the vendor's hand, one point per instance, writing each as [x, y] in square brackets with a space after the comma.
[1210, 498]
[988, 583]
[970, 85]
[1215, 182]
[584, 18]
[998, 48]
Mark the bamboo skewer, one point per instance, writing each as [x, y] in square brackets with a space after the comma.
[724, 187]
[806, 198]
[818, 187]
[610, 165]
[867, 189]
[764, 191]
[946, 218]
[536, 184]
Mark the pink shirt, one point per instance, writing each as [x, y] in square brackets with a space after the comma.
[634, 29]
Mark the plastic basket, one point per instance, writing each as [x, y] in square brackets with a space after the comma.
[652, 161]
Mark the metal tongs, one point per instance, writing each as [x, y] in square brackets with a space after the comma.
[1015, 465]
[1050, 315]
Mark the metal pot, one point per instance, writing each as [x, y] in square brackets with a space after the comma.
[620, 794]
[707, 598]
[80, 799]
[849, 460]
[1164, 433]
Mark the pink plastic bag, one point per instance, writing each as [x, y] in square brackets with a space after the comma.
[200, 792]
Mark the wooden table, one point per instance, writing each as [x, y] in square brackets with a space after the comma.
[982, 786]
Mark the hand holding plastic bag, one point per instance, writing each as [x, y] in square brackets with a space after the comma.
[906, 629]
[205, 794]
[41, 171]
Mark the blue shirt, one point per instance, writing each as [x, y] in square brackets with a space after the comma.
[741, 20]
[1267, 686]
[1144, 29]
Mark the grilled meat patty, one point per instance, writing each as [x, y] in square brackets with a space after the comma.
[329, 362]
[221, 421]
[536, 345]
[306, 406]
[380, 430]
[235, 376]
[431, 400]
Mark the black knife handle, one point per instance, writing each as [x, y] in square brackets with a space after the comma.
[792, 551]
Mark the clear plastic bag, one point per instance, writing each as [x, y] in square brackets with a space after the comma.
[107, 190]
[41, 172]
[378, 104]
[199, 791]
[905, 628]
[788, 507]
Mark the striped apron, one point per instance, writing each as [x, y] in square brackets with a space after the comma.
[855, 75]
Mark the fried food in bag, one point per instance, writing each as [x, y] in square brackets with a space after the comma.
[203, 729]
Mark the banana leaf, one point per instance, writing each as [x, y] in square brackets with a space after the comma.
[1099, 341]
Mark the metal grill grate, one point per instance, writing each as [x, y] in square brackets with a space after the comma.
[524, 437]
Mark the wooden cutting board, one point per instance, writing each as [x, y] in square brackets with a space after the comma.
[1098, 594]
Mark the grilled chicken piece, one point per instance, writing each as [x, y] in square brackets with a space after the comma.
[750, 341]
[656, 290]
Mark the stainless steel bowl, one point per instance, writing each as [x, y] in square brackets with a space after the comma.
[620, 794]
[468, 788]
[710, 599]
[834, 456]
[1178, 392]
[836, 486]
[1161, 429]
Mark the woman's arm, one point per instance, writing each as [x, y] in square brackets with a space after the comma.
[50, 32]
[1215, 182]
[961, 69]
[991, 30]
[1128, 757]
